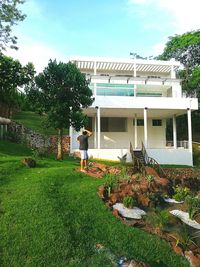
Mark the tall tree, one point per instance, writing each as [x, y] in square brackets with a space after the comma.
[61, 92]
[9, 16]
[12, 76]
[186, 49]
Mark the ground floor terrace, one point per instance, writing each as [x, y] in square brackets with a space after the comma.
[114, 129]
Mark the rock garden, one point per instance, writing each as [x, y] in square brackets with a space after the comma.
[166, 206]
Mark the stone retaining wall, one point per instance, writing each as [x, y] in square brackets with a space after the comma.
[20, 134]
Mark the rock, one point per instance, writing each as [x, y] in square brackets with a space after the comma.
[113, 198]
[29, 162]
[134, 213]
[171, 200]
[193, 260]
[176, 248]
[184, 217]
[101, 191]
[135, 263]
[101, 167]
[115, 212]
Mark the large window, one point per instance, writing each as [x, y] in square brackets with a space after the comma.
[113, 124]
[110, 89]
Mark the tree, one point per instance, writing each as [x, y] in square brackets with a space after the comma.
[61, 92]
[9, 16]
[12, 76]
[186, 49]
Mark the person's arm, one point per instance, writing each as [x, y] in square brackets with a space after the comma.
[88, 132]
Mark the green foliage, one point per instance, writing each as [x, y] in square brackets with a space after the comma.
[193, 206]
[61, 92]
[111, 181]
[149, 178]
[9, 16]
[196, 155]
[180, 193]
[35, 122]
[183, 237]
[156, 199]
[159, 218]
[55, 199]
[129, 202]
[124, 176]
[12, 76]
[183, 48]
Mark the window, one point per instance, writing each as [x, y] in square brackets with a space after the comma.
[156, 122]
[140, 122]
[113, 124]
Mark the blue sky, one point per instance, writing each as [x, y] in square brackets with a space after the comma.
[110, 28]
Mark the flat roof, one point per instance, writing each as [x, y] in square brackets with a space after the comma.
[121, 64]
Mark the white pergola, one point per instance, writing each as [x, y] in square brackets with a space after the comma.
[96, 64]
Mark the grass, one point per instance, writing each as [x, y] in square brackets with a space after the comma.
[35, 122]
[51, 215]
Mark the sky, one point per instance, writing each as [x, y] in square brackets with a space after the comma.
[59, 29]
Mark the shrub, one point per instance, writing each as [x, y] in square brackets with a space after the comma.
[180, 193]
[111, 181]
[193, 206]
[196, 155]
[123, 175]
[159, 218]
[150, 178]
[129, 202]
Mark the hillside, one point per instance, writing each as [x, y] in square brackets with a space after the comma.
[35, 122]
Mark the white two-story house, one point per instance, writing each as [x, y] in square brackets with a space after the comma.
[133, 100]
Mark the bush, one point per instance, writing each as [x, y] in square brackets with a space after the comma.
[180, 193]
[193, 206]
[111, 181]
[196, 155]
[129, 202]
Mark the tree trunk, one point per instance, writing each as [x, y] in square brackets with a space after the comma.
[60, 152]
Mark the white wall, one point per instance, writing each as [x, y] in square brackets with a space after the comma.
[171, 156]
[114, 140]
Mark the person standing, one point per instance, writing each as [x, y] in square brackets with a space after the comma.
[83, 147]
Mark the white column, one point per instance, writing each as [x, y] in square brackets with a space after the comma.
[135, 74]
[136, 131]
[173, 74]
[99, 128]
[95, 73]
[95, 132]
[174, 132]
[145, 128]
[189, 129]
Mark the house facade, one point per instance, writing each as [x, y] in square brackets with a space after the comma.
[133, 100]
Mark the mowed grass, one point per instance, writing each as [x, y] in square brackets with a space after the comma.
[35, 122]
[51, 215]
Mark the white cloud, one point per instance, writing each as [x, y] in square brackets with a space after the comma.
[158, 48]
[183, 14]
[37, 53]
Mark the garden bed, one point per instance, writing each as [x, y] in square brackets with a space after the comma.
[149, 193]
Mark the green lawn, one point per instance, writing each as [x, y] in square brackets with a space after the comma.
[35, 122]
[52, 216]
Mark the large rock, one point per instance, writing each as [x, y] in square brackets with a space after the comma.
[134, 213]
[29, 162]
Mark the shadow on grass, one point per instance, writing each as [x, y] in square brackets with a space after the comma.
[13, 149]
